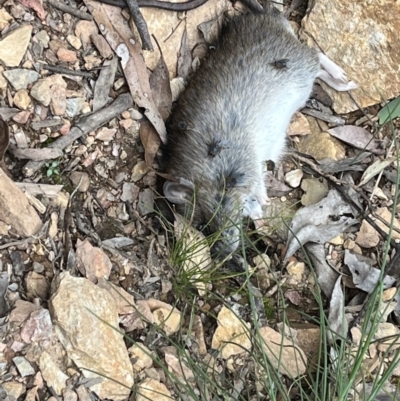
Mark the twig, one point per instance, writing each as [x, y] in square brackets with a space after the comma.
[323, 116]
[70, 10]
[84, 126]
[61, 70]
[164, 5]
[140, 24]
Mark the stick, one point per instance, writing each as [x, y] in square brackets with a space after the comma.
[66, 71]
[83, 127]
[70, 10]
[164, 5]
[140, 24]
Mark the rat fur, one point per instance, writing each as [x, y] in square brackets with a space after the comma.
[232, 118]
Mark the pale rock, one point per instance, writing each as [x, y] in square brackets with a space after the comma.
[3, 228]
[41, 89]
[123, 300]
[388, 336]
[299, 125]
[84, 29]
[146, 202]
[3, 81]
[69, 395]
[53, 229]
[74, 106]
[67, 56]
[52, 374]
[23, 366]
[106, 134]
[293, 178]
[22, 99]
[14, 45]
[135, 114]
[58, 103]
[386, 215]
[367, 237]
[91, 62]
[20, 78]
[74, 41]
[43, 38]
[127, 123]
[308, 338]
[38, 327]
[86, 322]
[322, 146]
[283, 354]
[356, 335]
[388, 294]
[22, 117]
[13, 389]
[80, 178]
[92, 261]
[22, 310]
[339, 240]
[37, 286]
[5, 18]
[130, 192]
[232, 335]
[150, 389]
[141, 357]
[18, 213]
[296, 270]
[262, 261]
[177, 366]
[314, 190]
[362, 37]
[168, 320]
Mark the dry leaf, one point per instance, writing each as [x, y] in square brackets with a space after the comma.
[150, 141]
[184, 57]
[374, 169]
[116, 31]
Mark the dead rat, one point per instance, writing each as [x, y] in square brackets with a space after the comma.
[242, 96]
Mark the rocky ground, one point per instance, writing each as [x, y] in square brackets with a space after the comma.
[85, 254]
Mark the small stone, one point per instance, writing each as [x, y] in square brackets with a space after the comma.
[20, 78]
[91, 62]
[52, 374]
[126, 123]
[314, 190]
[69, 395]
[74, 106]
[119, 83]
[5, 18]
[135, 114]
[367, 237]
[299, 125]
[3, 82]
[106, 134]
[262, 261]
[58, 104]
[23, 366]
[43, 38]
[41, 89]
[139, 170]
[84, 29]
[388, 294]
[76, 177]
[102, 45]
[67, 56]
[22, 99]
[150, 389]
[388, 336]
[125, 114]
[140, 357]
[339, 240]
[296, 270]
[168, 319]
[293, 178]
[146, 202]
[13, 389]
[130, 192]
[22, 117]
[38, 267]
[74, 42]
[322, 146]
[14, 45]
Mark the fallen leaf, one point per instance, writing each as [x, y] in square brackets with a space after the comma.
[36, 5]
[358, 137]
[336, 319]
[116, 31]
[150, 140]
[320, 222]
[375, 168]
[390, 111]
[184, 57]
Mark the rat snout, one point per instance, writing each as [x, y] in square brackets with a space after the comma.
[228, 243]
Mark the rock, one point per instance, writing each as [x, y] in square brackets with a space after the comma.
[69, 395]
[22, 100]
[322, 146]
[3, 81]
[22, 310]
[74, 106]
[23, 366]
[339, 240]
[15, 209]
[41, 89]
[43, 38]
[66, 56]
[150, 389]
[342, 25]
[139, 170]
[367, 237]
[130, 192]
[296, 271]
[168, 319]
[106, 134]
[135, 114]
[232, 334]
[86, 321]
[38, 327]
[283, 354]
[386, 215]
[314, 191]
[299, 125]
[92, 61]
[102, 45]
[146, 202]
[126, 124]
[58, 103]
[37, 286]
[14, 45]
[5, 18]
[84, 29]
[123, 300]
[308, 338]
[80, 178]
[22, 117]
[92, 261]
[388, 294]
[13, 389]
[20, 78]
[52, 374]
[74, 42]
[141, 357]
[388, 336]
[293, 178]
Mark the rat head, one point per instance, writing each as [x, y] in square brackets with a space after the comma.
[213, 210]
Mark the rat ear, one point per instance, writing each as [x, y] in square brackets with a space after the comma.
[179, 192]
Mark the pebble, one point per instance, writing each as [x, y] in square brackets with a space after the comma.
[20, 78]
[43, 38]
[146, 202]
[22, 117]
[67, 56]
[22, 99]
[293, 178]
[314, 191]
[13, 46]
[126, 123]
[84, 29]
[5, 19]
[74, 42]
[299, 125]
[139, 170]
[76, 177]
[135, 114]
[321, 146]
[74, 106]
[23, 366]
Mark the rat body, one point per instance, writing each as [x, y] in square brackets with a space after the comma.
[232, 118]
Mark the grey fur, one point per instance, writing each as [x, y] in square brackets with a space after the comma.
[243, 97]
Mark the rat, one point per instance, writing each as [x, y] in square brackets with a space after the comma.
[236, 108]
